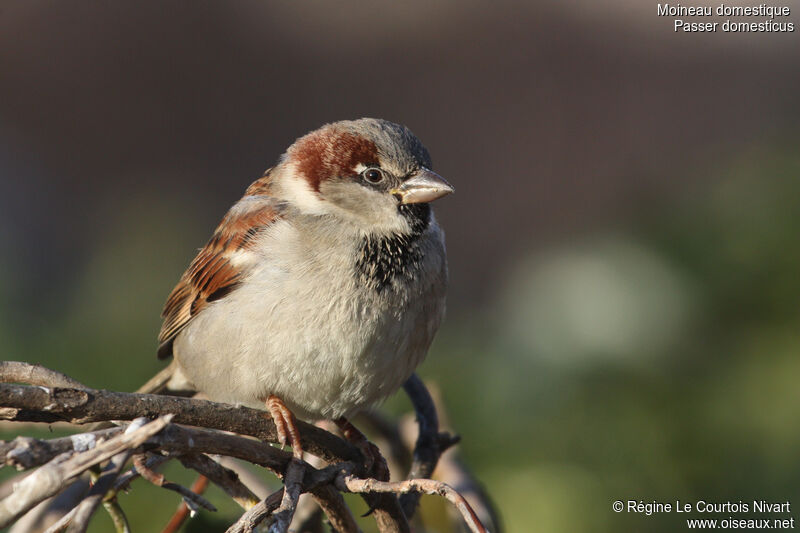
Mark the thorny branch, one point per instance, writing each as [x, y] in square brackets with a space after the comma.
[218, 431]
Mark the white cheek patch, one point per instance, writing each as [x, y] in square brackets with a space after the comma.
[297, 192]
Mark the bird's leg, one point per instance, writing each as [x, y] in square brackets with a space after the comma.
[285, 424]
[375, 462]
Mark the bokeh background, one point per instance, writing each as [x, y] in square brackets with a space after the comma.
[623, 317]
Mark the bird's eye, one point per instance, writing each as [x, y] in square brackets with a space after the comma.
[373, 175]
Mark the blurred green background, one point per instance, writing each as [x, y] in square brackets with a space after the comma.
[623, 315]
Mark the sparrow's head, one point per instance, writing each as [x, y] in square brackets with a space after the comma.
[371, 172]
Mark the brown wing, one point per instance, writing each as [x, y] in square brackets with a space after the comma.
[220, 264]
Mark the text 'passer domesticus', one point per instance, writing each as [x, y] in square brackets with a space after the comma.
[322, 288]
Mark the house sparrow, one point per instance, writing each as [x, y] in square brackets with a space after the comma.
[322, 288]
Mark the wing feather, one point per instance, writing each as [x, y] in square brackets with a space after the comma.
[221, 264]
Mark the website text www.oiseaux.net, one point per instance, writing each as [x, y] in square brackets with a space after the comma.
[780, 513]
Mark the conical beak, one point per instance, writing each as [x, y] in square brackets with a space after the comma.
[424, 186]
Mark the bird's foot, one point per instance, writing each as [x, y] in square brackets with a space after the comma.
[285, 425]
[374, 462]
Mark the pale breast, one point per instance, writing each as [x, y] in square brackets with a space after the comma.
[311, 326]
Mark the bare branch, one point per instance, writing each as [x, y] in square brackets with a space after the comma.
[18, 372]
[384, 507]
[428, 486]
[193, 500]
[117, 516]
[50, 510]
[308, 516]
[77, 520]
[323, 500]
[292, 487]
[80, 406]
[187, 440]
[88, 506]
[123, 482]
[223, 477]
[257, 514]
[387, 512]
[225, 431]
[426, 450]
[54, 476]
[453, 472]
[160, 382]
[332, 504]
[24, 452]
[198, 487]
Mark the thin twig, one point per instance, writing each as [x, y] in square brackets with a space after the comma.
[293, 484]
[159, 383]
[223, 477]
[25, 452]
[51, 478]
[324, 499]
[117, 516]
[387, 512]
[194, 501]
[77, 520]
[350, 483]
[32, 374]
[50, 510]
[88, 506]
[332, 504]
[385, 508]
[308, 516]
[123, 482]
[249, 520]
[453, 472]
[198, 487]
[62, 523]
[426, 450]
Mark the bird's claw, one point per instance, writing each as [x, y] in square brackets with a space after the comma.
[285, 425]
